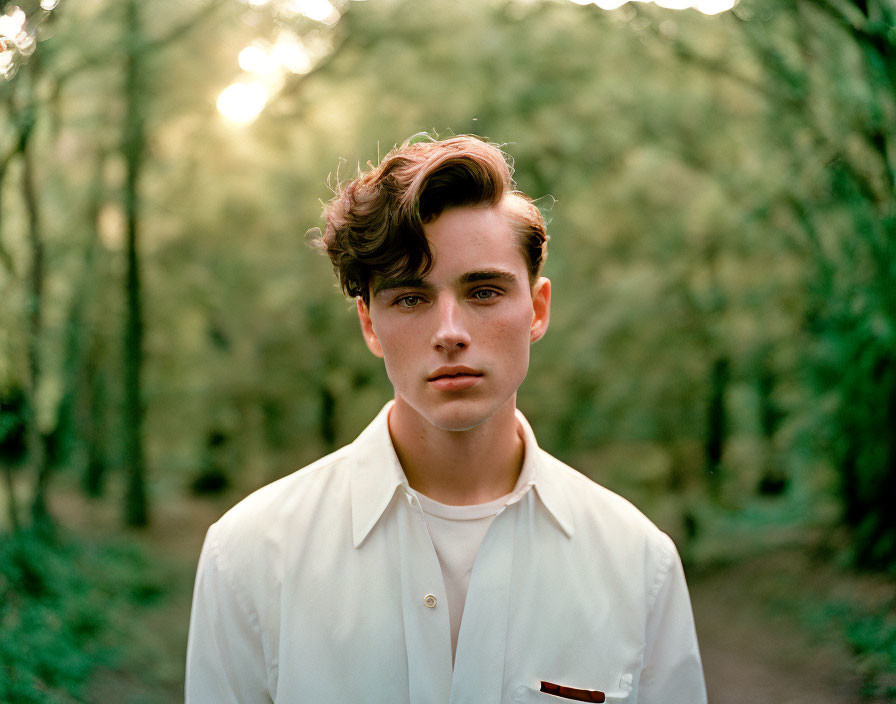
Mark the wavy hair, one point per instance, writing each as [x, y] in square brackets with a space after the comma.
[374, 223]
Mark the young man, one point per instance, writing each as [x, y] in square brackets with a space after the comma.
[441, 557]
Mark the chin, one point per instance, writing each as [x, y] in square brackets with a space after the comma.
[458, 423]
[460, 415]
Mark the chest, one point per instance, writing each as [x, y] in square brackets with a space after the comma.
[373, 624]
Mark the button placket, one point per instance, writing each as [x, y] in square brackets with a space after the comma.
[427, 629]
[479, 660]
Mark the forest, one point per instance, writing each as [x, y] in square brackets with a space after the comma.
[719, 181]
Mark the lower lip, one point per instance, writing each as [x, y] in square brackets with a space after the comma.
[455, 383]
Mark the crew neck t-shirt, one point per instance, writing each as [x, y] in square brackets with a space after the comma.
[456, 533]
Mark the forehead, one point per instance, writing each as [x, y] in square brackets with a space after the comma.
[473, 234]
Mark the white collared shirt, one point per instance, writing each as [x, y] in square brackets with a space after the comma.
[456, 533]
[325, 587]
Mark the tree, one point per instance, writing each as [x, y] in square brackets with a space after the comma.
[829, 81]
[133, 145]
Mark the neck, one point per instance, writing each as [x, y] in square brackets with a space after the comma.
[459, 468]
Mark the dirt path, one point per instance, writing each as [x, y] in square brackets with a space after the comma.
[755, 648]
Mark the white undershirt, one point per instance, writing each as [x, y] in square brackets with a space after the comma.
[456, 533]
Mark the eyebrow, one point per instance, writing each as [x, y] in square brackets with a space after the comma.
[473, 277]
[470, 277]
[390, 283]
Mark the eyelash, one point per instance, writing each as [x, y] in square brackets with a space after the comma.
[494, 293]
[401, 301]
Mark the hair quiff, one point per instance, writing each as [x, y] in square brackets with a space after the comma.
[374, 223]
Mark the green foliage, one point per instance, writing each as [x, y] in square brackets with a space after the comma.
[861, 367]
[874, 640]
[56, 599]
[872, 637]
[849, 222]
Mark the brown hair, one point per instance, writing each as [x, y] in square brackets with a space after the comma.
[375, 222]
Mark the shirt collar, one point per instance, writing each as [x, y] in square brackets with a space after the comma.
[547, 487]
[377, 475]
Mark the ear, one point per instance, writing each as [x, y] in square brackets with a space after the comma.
[541, 309]
[373, 343]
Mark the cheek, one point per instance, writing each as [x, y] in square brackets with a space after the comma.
[397, 368]
[399, 344]
[510, 335]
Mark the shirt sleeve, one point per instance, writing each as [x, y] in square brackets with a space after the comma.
[225, 654]
[672, 673]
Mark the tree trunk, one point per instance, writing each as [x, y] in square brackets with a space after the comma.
[92, 407]
[327, 423]
[136, 510]
[11, 505]
[37, 453]
[5, 256]
[716, 423]
[94, 477]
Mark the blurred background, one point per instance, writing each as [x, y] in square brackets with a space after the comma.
[718, 178]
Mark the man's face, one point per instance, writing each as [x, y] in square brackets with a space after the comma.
[456, 342]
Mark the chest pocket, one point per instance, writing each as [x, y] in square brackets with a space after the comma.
[622, 693]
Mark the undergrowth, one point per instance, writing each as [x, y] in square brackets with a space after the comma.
[872, 637]
[58, 599]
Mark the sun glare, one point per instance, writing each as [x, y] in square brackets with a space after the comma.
[674, 4]
[256, 59]
[317, 10]
[12, 24]
[242, 102]
[707, 7]
[291, 54]
[714, 7]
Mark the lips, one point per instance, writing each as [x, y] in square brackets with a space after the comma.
[443, 372]
[454, 378]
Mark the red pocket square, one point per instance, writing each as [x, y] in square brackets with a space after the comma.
[579, 695]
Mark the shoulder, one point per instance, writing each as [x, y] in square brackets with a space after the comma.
[264, 520]
[607, 520]
[587, 497]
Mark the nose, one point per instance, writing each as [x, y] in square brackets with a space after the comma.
[451, 334]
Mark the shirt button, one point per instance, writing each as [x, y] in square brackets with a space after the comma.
[430, 601]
